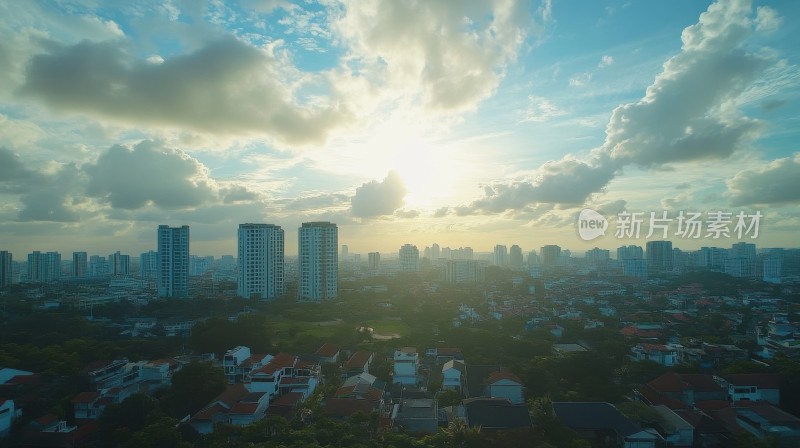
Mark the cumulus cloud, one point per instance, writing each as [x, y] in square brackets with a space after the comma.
[689, 113]
[55, 198]
[778, 182]
[15, 177]
[132, 177]
[454, 53]
[225, 87]
[375, 198]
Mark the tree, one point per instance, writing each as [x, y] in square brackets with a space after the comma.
[192, 388]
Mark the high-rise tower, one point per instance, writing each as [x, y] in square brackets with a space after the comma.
[318, 254]
[260, 261]
[173, 261]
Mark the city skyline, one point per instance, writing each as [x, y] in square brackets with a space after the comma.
[115, 119]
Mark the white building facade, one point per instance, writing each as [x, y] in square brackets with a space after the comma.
[261, 261]
[173, 261]
[318, 261]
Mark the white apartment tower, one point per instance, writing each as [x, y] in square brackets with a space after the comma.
[260, 261]
[318, 261]
[173, 261]
[409, 258]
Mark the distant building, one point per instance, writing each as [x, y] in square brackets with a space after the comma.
[374, 261]
[45, 267]
[597, 255]
[743, 250]
[119, 264]
[409, 258]
[318, 254]
[148, 265]
[500, 255]
[659, 256]
[515, 257]
[80, 264]
[740, 267]
[630, 253]
[634, 267]
[550, 254]
[464, 271]
[261, 261]
[6, 271]
[435, 252]
[173, 261]
[772, 270]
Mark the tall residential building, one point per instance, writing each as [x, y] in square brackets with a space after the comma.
[435, 252]
[148, 265]
[515, 257]
[597, 255]
[659, 256]
[5, 268]
[500, 255]
[630, 253]
[345, 252]
[44, 267]
[464, 271]
[742, 250]
[318, 260]
[772, 270]
[173, 261]
[80, 264]
[550, 254]
[261, 261]
[409, 258]
[533, 259]
[119, 264]
[374, 261]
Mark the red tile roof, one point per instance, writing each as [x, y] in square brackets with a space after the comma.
[209, 412]
[760, 380]
[289, 399]
[86, 398]
[279, 361]
[244, 408]
[328, 350]
[678, 382]
[358, 360]
[502, 375]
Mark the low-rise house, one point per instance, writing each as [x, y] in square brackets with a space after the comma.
[358, 363]
[677, 432]
[502, 384]
[238, 362]
[416, 415]
[602, 421]
[268, 377]
[249, 409]
[444, 354]
[680, 390]
[753, 387]
[496, 413]
[328, 352]
[218, 409]
[453, 375]
[362, 392]
[406, 366]
[666, 355]
[89, 405]
[158, 373]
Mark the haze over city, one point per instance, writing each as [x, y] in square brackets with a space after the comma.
[460, 123]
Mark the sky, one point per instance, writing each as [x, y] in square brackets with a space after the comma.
[462, 123]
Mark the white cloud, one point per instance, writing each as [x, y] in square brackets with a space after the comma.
[580, 79]
[227, 87]
[133, 177]
[451, 54]
[379, 198]
[541, 109]
[689, 113]
[777, 182]
[606, 61]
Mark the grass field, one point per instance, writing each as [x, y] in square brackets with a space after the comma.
[388, 327]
